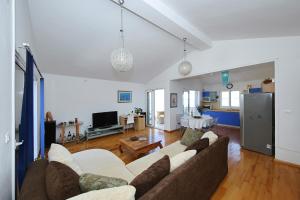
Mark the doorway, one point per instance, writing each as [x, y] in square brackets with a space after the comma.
[156, 108]
[159, 108]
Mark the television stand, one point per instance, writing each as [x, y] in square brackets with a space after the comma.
[99, 132]
[105, 127]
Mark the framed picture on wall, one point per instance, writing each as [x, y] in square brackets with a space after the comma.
[173, 100]
[124, 96]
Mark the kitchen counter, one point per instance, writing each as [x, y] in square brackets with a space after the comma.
[225, 117]
[225, 110]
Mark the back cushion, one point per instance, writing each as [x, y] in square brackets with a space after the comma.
[151, 176]
[61, 181]
[61, 154]
[190, 136]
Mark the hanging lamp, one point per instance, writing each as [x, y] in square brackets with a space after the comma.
[185, 67]
[121, 59]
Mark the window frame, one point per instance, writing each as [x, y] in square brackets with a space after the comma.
[197, 97]
[230, 93]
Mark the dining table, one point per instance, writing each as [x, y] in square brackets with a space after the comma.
[196, 122]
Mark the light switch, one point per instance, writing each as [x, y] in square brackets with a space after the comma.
[287, 111]
[6, 138]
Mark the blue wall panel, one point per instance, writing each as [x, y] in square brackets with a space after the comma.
[255, 90]
[205, 94]
[226, 118]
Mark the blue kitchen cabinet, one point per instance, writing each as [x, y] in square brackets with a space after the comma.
[225, 117]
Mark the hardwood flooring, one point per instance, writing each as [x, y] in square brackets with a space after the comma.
[111, 142]
[251, 175]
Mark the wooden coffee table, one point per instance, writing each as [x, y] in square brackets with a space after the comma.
[139, 147]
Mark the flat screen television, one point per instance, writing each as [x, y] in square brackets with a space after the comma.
[105, 119]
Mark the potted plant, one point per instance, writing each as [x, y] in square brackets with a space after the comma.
[138, 111]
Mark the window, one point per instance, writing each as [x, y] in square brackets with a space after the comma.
[225, 102]
[235, 99]
[190, 101]
[230, 99]
[186, 102]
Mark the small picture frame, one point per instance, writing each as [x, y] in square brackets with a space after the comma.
[124, 96]
[173, 100]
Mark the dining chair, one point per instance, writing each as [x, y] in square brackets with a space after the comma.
[213, 124]
[129, 121]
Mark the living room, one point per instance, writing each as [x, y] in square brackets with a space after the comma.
[122, 85]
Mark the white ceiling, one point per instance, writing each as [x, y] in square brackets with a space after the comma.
[75, 38]
[247, 73]
[237, 19]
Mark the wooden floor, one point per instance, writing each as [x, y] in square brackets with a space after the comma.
[251, 175]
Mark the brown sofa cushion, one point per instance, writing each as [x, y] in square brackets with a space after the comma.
[199, 145]
[151, 176]
[61, 181]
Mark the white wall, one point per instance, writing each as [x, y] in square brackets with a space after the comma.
[240, 86]
[7, 150]
[69, 97]
[285, 51]
[23, 27]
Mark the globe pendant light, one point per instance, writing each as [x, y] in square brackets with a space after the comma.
[121, 59]
[185, 67]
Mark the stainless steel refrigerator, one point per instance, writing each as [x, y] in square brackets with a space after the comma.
[257, 122]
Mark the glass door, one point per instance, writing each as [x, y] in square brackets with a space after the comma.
[159, 108]
[150, 108]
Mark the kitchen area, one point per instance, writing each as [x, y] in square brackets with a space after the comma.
[241, 98]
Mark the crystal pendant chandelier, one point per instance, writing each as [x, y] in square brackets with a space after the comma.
[121, 59]
[185, 67]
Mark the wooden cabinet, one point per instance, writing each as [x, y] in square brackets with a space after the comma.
[139, 122]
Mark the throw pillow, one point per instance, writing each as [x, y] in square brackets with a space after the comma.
[181, 158]
[89, 182]
[190, 136]
[212, 137]
[151, 176]
[199, 145]
[61, 181]
[60, 154]
[125, 192]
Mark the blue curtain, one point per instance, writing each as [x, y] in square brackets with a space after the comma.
[42, 124]
[25, 153]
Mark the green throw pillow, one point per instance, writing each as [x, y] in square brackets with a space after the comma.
[190, 136]
[89, 182]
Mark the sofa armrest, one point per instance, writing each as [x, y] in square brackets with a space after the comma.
[34, 185]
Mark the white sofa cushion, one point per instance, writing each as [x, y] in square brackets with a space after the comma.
[125, 192]
[138, 166]
[212, 137]
[102, 162]
[173, 149]
[60, 154]
[181, 158]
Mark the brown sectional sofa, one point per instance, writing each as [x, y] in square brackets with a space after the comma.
[197, 179]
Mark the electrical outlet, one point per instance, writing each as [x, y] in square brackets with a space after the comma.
[268, 146]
